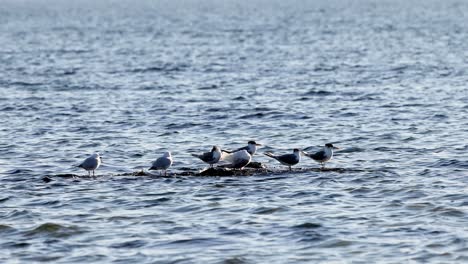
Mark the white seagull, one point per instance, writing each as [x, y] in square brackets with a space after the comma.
[211, 157]
[323, 155]
[92, 163]
[287, 159]
[162, 163]
[238, 159]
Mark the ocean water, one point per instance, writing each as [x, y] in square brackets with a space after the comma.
[384, 80]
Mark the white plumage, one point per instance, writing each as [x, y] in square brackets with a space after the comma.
[238, 159]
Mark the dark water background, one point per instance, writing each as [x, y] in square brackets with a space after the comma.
[385, 80]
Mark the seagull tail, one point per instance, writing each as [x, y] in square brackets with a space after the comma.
[195, 155]
[269, 154]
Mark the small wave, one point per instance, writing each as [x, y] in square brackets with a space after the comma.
[349, 114]
[419, 206]
[17, 214]
[352, 150]
[55, 230]
[448, 211]
[366, 98]
[6, 228]
[235, 260]
[18, 171]
[439, 116]
[256, 115]
[325, 68]
[318, 93]
[21, 245]
[361, 190]
[450, 163]
[155, 202]
[400, 68]
[22, 83]
[130, 244]
[188, 208]
[168, 133]
[308, 225]
[209, 87]
[180, 126]
[199, 241]
[7, 109]
[336, 243]
[40, 203]
[267, 210]
[167, 67]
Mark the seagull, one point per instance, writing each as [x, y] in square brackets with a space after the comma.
[287, 159]
[211, 157]
[92, 163]
[162, 163]
[323, 155]
[251, 148]
[238, 159]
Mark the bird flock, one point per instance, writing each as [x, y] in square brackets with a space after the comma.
[236, 159]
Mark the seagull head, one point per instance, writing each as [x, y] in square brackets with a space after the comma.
[215, 148]
[253, 143]
[330, 145]
[298, 151]
[167, 154]
[97, 156]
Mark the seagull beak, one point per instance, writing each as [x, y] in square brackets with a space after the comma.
[303, 152]
[336, 148]
[258, 144]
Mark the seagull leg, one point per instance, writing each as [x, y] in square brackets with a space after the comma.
[89, 173]
[165, 172]
[290, 169]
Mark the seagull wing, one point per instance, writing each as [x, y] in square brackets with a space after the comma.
[239, 149]
[161, 163]
[89, 163]
[206, 157]
[246, 148]
[288, 158]
[317, 155]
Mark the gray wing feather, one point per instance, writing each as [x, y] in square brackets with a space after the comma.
[244, 148]
[161, 163]
[206, 157]
[89, 164]
[239, 149]
[318, 155]
[288, 158]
